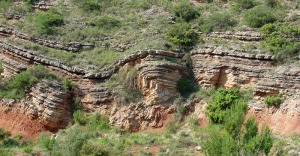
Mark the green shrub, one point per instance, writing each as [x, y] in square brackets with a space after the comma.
[245, 4]
[5, 4]
[70, 143]
[185, 87]
[247, 142]
[90, 6]
[259, 16]
[250, 130]
[218, 21]
[96, 122]
[186, 11]
[224, 101]
[44, 22]
[67, 84]
[79, 117]
[280, 38]
[272, 3]
[45, 141]
[89, 149]
[107, 22]
[4, 134]
[260, 143]
[273, 100]
[181, 36]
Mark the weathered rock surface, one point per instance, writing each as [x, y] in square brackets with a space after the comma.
[240, 35]
[282, 120]
[282, 79]
[157, 82]
[140, 116]
[51, 104]
[46, 107]
[221, 67]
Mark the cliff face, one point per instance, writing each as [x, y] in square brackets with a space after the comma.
[222, 67]
[156, 78]
[46, 107]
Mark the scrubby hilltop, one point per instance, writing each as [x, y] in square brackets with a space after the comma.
[149, 77]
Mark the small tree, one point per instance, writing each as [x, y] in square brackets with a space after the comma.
[186, 10]
[181, 36]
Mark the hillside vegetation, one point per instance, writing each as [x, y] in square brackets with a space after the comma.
[118, 28]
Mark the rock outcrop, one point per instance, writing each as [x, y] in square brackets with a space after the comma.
[221, 67]
[157, 82]
[282, 79]
[72, 46]
[140, 116]
[46, 107]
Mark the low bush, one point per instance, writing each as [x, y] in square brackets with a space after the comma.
[107, 22]
[273, 100]
[259, 16]
[4, 134]
[90, 6]
[185, 87]
[218, 21]
[186, 11]
[67, 84]
[89, 149]
[225, 101]
[181, 36]
[5, 4]
[45, 22]
[280, 38]
[272, 3]
[44, 141]
[245, 4]
[79, 117]
[70, 143]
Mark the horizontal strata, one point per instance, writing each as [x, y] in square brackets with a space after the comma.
[240, 53]
[72, 46]
[104, 73]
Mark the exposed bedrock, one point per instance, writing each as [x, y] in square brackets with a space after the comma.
[46, 107]
[282, 79]
[157, 82]
[222, 67]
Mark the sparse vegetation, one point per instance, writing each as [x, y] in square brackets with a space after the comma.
[273, 100]
[118, 28]
[16, 86]
[218, 21]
